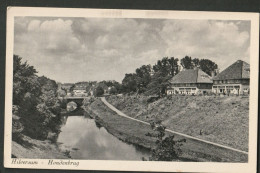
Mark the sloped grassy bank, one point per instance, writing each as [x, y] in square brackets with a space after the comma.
[134, 132]
[223, 120]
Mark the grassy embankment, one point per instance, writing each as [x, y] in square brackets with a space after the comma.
[134, 132]
[223, 120]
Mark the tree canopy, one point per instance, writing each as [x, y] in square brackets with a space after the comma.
[154, 80]
[151, 79]
[205, 65]
[99, 91]
[36, 99]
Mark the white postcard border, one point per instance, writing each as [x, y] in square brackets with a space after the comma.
[136, 165]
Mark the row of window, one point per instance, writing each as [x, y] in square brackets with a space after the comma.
[227, 87]
[191, 85]
[230, 81]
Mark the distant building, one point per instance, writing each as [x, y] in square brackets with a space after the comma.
[79, 91]
[190, 82]
[233, 80]
[82, 84]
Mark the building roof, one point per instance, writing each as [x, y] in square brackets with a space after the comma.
[191, 76]
[238, 70]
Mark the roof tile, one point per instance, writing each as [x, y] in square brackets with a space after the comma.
[191, 76]
[238, 70]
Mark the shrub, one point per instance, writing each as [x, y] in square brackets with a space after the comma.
[87, 101]
[167, 149]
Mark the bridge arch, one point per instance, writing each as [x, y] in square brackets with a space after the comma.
[77, 100]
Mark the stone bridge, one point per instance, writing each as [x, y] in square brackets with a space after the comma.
[77, 100]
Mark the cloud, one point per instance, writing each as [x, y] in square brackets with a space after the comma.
[77, 49]
[219, 41]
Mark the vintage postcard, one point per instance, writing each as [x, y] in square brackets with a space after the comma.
[131, 90]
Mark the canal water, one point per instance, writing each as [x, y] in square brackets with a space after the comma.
[83, 138]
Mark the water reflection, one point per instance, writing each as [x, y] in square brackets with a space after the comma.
[92, 141]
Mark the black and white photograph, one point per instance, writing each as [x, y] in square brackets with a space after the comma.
[154, 88]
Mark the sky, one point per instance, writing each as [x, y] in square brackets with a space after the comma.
[96, 49]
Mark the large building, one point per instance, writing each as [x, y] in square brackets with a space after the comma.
[233, 80]
[190, 82]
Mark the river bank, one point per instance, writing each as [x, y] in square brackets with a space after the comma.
[134, 132]
[24, 146]
[223, 120]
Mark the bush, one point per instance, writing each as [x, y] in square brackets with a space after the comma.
[167, 149]
[87, 101]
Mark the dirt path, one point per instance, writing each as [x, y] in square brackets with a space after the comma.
[171, 131]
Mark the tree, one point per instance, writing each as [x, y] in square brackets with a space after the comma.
[24, 80]
[26, 95]
[186, 62]
[158, 84]
[118, 87]
[130, 83]
[113, 90]
[62, 92]
[173, 62]
[115, 84]
[99, 91]
[196, 62]
[143, 77]
[205, 65]
[164, 70]
[208, 66]
[36, 100]
[167, 149]
[162, 66]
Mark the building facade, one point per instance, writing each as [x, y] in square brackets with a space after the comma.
[234, 79]
[190, 82]
[80, 91]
